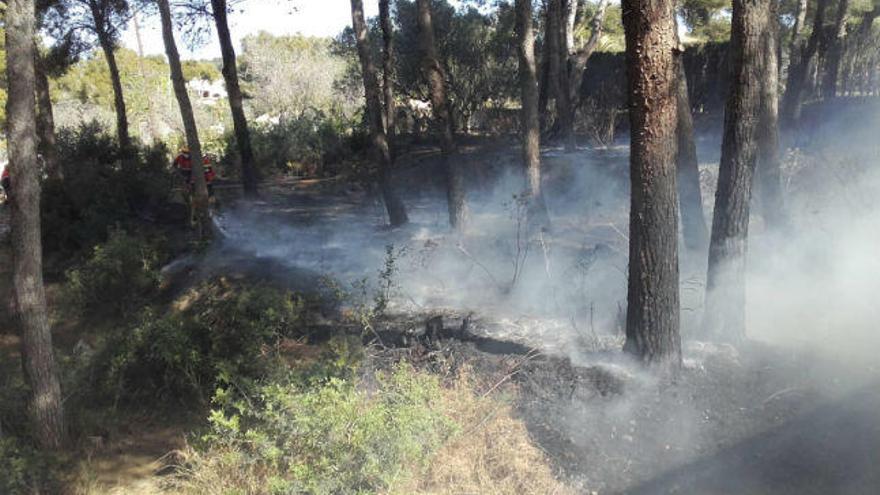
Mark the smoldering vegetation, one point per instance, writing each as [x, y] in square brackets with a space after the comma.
[810, 305]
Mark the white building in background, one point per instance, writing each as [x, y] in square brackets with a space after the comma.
[207, 92]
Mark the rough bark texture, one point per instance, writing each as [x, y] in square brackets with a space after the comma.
[797, 30]
[652, 319]
[45, 406]
[239, 122]
[724, 316]
[530, 125]
[390, 113]
[695, 233]
[557, 27]
[46, 122]
[200, 199]
[799, 70]
[107, 46]
[393, 204]
[442, 111]
[835, 52]
[769, 164]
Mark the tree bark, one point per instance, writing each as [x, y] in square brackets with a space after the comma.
[798, 72]
[800, 19]
[694, 231]
[200, 200]
[652, 319]
[233, 90]
[396, 210]
[390, 112]
[546, 85]
[530, 123]
[107, 46]
[45, 405]
[769, 160]
[559, 73]
[436, 76]
[46, 122]
[724, 316]
[835, 52]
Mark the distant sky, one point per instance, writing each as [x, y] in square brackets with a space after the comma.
[309, 17]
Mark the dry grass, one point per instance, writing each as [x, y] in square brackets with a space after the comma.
[491, 454]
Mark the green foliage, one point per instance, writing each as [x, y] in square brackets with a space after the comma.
[226, 333]
[23, 469]
[97, 192]
[324, 438]
[118, 276]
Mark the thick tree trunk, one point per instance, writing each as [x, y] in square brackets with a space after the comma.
[800, 18]
[396, 210]
[107, 46]
[45, 403]
[724, 316]
[545, 85]
[577, 64]
[239, 122]
[46, 122]
[390, 112]
[571, 8]
[769, 161]
[799, 70]
[559, 73]
[530, 124]
[200, 200]
[652, 319]
[835, 52]
[694, 231]
[442, 111]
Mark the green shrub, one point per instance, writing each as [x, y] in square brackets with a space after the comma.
[226, 332]
[99, 189]
[118, 276]
[337, 436]
[24, 470]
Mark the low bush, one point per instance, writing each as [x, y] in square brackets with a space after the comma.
[99, 188]
[120, 274]
[220, 332]
[334, 436]
[25, 470]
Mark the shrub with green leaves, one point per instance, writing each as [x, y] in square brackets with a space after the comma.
[24, 470]
[335, 436]
[120, 274]
[227, 331]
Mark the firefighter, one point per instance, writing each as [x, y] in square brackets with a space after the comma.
[183, 165]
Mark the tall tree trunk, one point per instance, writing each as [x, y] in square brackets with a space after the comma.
[45, 405]
[559, 73]
[200, 200]
[46, 121]
[835, 52]
[396, 210]
[652, 319]
[545, 85]
[530, 124]
[442, 111]
[695, 233]
[239, 122]
[769, 161]
[390, 112]
[107, 46]
[571, 8]
[798, 72]
[800, 18]
[724, 316]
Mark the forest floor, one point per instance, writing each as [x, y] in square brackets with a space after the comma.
[543, 325]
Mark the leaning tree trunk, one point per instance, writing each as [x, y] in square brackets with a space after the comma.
[652, 318]
[835, 52]
[200, 200]
[396, 210]
[799, 70]
[45, 406]
[724, 316]
[694, 231]
[107, 46]
[769, 165]
[530, 125]
[390, 112]
[239, 122]
[46, 122]
[436, 77]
